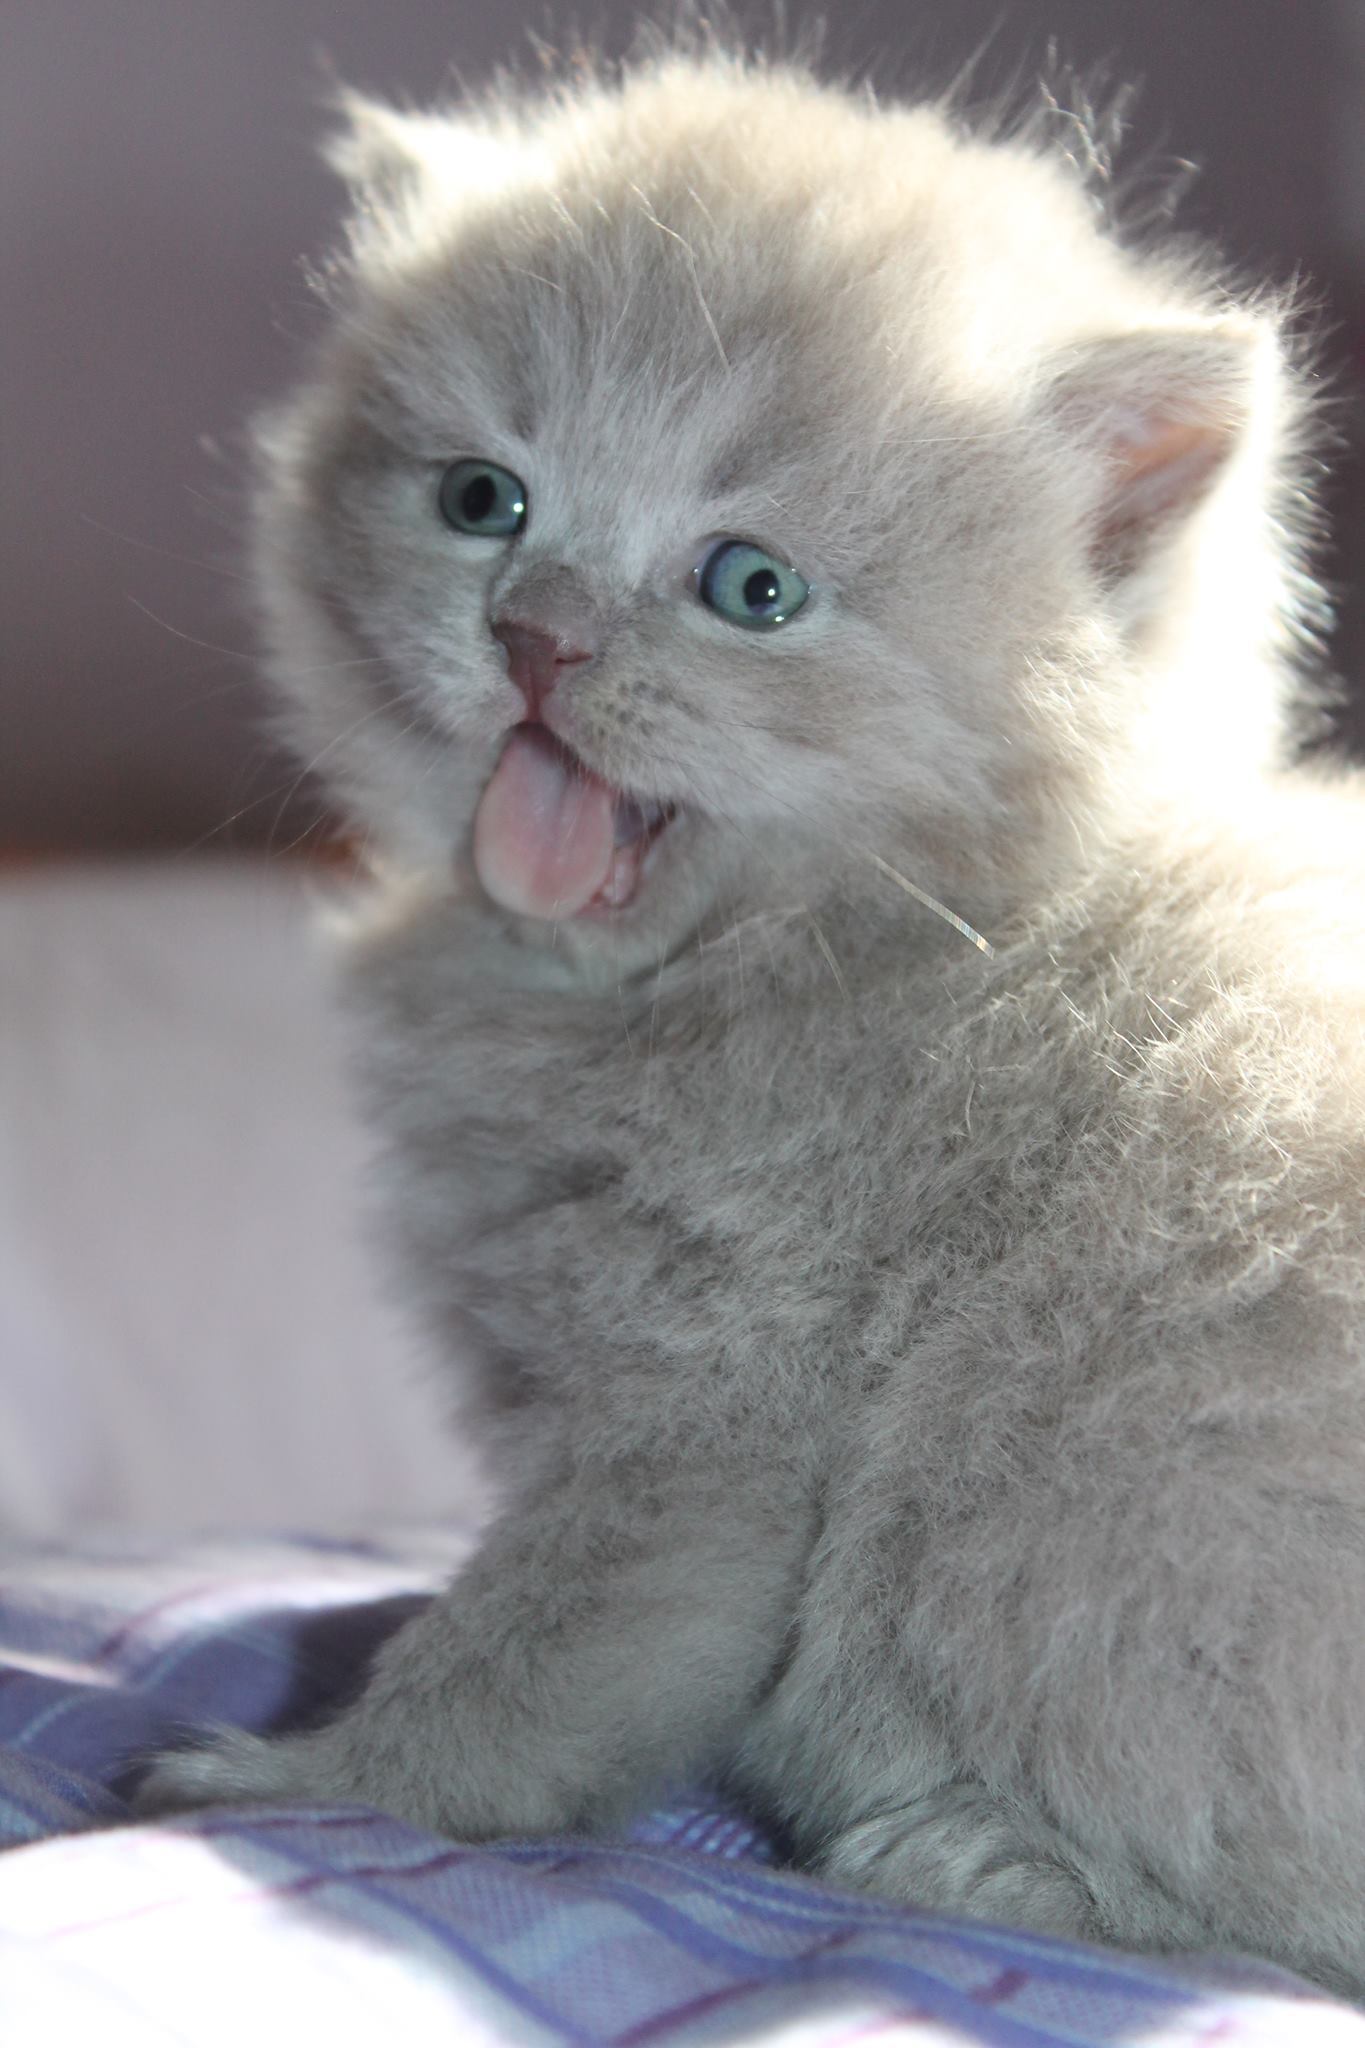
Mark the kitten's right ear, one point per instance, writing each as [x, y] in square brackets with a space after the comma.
[388, 157]
[376, 149]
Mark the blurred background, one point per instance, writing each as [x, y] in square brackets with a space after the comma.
[189, 1331]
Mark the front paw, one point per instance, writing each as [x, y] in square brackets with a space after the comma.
[235, 1769]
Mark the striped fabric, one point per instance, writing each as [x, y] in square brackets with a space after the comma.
[344, 1927]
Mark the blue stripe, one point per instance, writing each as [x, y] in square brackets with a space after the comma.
[802, 1901]
[481, 1964]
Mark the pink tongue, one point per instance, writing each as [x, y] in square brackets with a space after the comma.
[544, 829]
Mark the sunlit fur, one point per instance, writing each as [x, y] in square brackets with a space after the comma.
[927, 1382]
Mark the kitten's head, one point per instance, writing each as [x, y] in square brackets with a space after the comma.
[714, 489]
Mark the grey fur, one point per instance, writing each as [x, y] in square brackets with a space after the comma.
[927, 1384]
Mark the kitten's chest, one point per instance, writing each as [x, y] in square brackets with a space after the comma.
[706, 1133]
[662, 1181]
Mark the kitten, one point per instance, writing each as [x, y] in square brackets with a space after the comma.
[868, 1031]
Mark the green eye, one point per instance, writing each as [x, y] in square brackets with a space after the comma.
[750, 588]
[478, 497]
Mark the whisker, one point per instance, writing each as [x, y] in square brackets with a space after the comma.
[152, 547]
[400, 732]
[913, 889]
[230, 653]
[951, 917]
[328, 668]
[245, 654]
[283, 790]
[283, 852]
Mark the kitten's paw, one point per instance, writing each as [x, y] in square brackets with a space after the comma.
[961, 1849]
[234, 1769]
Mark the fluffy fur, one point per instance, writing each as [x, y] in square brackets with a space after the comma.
[926, 1380]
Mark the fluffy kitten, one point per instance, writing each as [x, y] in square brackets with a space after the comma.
[727, 523]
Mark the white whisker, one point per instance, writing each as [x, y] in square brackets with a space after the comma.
[229, 653]
[951, 917]
[912, 889]
[152, 547]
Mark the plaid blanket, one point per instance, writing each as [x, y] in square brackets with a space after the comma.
[342, 1926]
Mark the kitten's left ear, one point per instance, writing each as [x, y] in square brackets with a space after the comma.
[1165, 412]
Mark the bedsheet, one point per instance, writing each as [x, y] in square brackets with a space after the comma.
[342, 1926]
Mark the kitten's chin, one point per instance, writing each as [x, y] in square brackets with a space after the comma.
[554, 841]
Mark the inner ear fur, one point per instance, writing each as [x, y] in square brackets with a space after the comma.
[1164, 411]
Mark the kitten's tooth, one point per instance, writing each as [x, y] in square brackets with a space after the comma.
[624, 877]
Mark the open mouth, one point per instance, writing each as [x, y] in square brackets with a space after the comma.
[552, 839]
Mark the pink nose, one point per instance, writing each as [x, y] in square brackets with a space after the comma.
[537, 657]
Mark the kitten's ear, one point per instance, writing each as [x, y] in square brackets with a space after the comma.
[377, 149]
[388, 157]
[1164, 411]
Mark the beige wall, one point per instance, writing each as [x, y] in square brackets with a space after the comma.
[157, 188]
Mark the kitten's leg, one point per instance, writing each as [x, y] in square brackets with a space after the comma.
[965, 1849]
[613, 1632]
[958, 1849]
[872, 1795]
[852, 1754]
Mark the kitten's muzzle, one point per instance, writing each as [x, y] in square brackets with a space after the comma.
[547, 626]
[536, 660]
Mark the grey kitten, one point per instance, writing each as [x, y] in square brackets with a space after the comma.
[867, 1030]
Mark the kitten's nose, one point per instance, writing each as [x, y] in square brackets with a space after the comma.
[537, 655]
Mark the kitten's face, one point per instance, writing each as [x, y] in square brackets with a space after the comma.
[646, 553]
